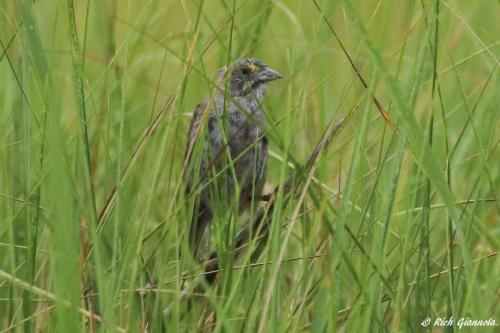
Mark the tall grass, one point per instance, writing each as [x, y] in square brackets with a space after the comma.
[393, 217]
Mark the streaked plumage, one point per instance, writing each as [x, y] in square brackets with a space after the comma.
[244, 83]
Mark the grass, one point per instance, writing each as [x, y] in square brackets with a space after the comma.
[389, 222]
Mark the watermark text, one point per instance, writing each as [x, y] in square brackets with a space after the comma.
[460, 322]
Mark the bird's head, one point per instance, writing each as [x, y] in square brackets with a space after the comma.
[247, 76]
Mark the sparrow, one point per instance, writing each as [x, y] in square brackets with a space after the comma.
[227, 150]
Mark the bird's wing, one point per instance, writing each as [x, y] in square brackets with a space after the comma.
[203, 115]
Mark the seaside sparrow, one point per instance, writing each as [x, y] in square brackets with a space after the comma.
[226, 131]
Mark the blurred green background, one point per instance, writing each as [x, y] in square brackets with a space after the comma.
[396, 224]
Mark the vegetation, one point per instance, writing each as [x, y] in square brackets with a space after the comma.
[395, 218]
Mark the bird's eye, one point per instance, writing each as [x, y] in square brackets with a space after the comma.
[246, 70]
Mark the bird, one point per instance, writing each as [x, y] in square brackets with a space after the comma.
[232, 148]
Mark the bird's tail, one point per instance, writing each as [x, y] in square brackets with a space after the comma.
[201, 218]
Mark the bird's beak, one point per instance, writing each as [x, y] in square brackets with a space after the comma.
[269, 74]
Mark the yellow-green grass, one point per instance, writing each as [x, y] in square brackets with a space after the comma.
[392, 222]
